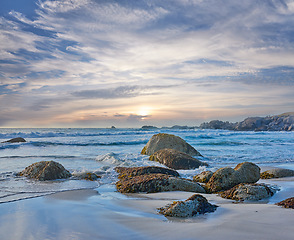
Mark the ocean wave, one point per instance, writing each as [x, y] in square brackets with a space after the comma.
[223, 143]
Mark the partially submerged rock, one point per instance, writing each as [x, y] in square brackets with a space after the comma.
[226, 178]
[288, 203]
[175, 159]
[86, 176]
[125, 172]
[203, 177]
[15, 140]
[248, 191]
[152, 183]
[45, 170]
[277, 173]
[196, 204]
[164, 140]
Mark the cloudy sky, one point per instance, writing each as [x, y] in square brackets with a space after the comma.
[128, 63]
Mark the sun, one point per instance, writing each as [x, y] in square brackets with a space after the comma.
[144, 111]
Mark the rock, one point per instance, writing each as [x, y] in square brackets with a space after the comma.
[86, 176]
[245, 191]
[152, 183]
[226, 178]
[217, 124]
[203, 177]
[125, 172]
[175, 159]
[277, 173]
[288, 203]
[163, 140]
[15, 140]
[45, 170]
[196, 204]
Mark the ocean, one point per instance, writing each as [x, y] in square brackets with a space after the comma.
[101, 150]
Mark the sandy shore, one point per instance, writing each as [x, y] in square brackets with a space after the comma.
[103, 213]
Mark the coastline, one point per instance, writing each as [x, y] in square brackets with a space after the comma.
[103, 213]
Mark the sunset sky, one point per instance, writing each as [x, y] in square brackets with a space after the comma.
[128, 63]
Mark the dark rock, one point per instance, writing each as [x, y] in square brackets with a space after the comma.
[226, 178]
[288, 203]
[152, 183]
[277, 173]
[217, 124]
[15, 140]
[163, 140]
[203, 177]
[125, 172]
[175, 159]
[87, 176]
[196, 204]
[148, 127]
[45, 170]
[248, 191]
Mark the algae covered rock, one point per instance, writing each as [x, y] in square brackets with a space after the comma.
[196, 204]
[45, 170]
[288, 203]
[175, 159]
[163, 140]
[86, 176]
[15, 140]
[226, 178]
[152, 183]
[125, 172]
[203, 177]
[277, 173]
[248, 191]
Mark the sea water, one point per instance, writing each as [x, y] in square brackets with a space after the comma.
[101, 150]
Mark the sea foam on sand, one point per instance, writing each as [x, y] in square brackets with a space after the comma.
[102, 213]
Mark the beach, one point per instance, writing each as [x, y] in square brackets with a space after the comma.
[79, 209]
[103, 213]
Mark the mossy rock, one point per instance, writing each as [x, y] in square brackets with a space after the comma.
[203, 177]
[288, 203]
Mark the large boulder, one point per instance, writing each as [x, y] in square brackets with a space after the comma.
[203, 177]
[152, 183]
[196, 204]
[125, 172]
[45, 170]
[248, 191]
[277, 173]
[175, 159]
[15, 140]
[288, 203]
[226, 178]
[164, 140]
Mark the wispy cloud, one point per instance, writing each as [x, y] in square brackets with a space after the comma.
[175, 55]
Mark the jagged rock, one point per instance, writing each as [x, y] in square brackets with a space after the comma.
[15, 140]
[277, 173]
[152, 183]
[175, 159]
[226, 178]
[217, 124]
[245, 191]
[125, 172]
[203, 177]
[163, 140]
[196, 204]
[87, 176]
[288, 203]
[45, 170]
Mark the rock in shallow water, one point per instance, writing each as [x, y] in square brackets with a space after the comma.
[125, 172]
[86, 176]
[175, 159]
[226, 178]
[164, 140]
[277, 173]
[288, 203]
[45, 170]
[252, 192]
[15, 140]
[152, 183]
[196, 204]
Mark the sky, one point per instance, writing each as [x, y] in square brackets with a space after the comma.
[129, 63]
